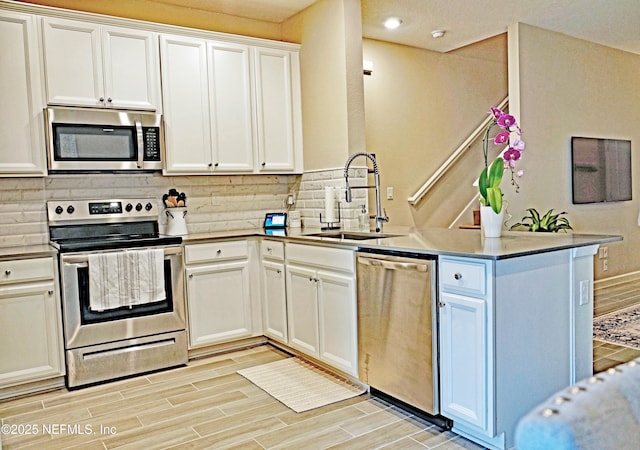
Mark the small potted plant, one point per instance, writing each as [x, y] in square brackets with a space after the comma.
[491, 211]
[547, 223]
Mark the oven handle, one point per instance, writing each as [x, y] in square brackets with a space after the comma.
[84, 258]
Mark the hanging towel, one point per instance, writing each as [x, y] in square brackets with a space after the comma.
[126, 278]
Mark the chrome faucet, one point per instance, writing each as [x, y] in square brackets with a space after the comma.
[380, 219]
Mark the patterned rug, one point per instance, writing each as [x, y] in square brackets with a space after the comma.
[300, 385]
[619, 327]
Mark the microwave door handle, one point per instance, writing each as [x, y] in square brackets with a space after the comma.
[140, 140]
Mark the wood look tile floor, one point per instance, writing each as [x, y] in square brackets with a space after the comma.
[609, 297]
[207, 405]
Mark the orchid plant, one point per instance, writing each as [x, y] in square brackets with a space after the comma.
[491, 175]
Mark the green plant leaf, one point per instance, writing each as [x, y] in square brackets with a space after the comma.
[483, 183]
[495, 172]
[494, 196]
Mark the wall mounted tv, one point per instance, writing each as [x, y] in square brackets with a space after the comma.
[601, 170]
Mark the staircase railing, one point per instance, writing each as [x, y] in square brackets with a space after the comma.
[477, 133]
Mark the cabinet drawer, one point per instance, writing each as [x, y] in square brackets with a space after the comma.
[272, 250]
[216, 251]
[463, 276]
[26, 270]
[322, 257]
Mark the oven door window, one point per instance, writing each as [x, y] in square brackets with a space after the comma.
[88, 316]
[94, 143]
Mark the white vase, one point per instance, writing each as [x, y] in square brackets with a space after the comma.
[490, 222]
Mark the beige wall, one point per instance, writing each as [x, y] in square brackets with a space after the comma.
[331, 78]
[155, 11]
[420, 106]
[568, 87]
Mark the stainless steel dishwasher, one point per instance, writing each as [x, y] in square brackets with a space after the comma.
[397, 344]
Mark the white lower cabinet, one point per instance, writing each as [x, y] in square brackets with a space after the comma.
[274, 296]
[463, 362]
[321, 304]
[512, 332]
[219, 293]
[30, 323]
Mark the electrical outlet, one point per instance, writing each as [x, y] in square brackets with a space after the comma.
[390, 193]
[584, 292]
[605, 265]
[291, 199]
[603, 252]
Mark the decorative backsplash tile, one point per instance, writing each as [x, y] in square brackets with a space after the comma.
[214, 203]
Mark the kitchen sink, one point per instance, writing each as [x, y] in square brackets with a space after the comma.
[351, 235]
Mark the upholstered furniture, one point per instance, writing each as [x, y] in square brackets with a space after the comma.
[599, 413]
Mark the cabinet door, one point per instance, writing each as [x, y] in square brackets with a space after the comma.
[463, 359]
[131, 68]
[338, 321]
[73, 63]
[277, 115]
[219, 303]
[230, 103]
[185, 94]
[302, 309]
[274, 301]
[30, 334]
[22, 124]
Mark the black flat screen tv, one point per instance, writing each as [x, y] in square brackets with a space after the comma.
[601, 170]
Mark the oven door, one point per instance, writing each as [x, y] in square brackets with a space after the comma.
[84, 327]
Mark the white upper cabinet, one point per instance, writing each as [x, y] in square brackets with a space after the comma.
[230, 102]
[277, 105]
[101, 66]
[21, 121]
[230, 107]
[185, 92]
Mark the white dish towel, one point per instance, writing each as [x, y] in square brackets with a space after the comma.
[126, 278]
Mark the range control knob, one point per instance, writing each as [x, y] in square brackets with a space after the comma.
[70, 209]
[139, 207]
[148, 206]
[59, 209]
[129, 207]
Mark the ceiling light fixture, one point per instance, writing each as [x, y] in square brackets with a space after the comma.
[392, 23]
[437, 33]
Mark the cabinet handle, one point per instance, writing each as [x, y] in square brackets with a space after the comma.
[442, 304]
[269, 249]
[263, 164]
[7, 272]
[458, 276]
[109, 100]
[50, 292]
[210, 164]
[278, 271]
[101, 99]
[219, 252]
[190, 275]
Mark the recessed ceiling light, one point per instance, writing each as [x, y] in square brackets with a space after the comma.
[437, 33]
[392, 23]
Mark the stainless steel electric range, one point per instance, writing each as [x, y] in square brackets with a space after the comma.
[122, 289]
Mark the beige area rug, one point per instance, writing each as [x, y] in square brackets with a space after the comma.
[300, 385]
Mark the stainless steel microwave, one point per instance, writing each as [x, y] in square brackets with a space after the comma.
[103, 140]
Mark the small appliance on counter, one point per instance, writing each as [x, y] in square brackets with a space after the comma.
[275, 224]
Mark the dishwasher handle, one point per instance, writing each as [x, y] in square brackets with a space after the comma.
[395, 264]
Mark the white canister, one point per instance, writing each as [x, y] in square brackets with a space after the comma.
[294, 219]
[176, 225]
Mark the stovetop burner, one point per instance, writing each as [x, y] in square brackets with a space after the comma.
[87, 225]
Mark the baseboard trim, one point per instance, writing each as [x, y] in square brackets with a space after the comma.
[617, 279]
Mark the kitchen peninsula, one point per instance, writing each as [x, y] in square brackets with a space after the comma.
[514, 314]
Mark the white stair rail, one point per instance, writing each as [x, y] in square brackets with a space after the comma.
[415, 198]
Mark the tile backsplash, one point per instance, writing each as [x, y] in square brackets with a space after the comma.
[214, 203]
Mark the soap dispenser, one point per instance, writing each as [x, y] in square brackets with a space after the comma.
[363, 219]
